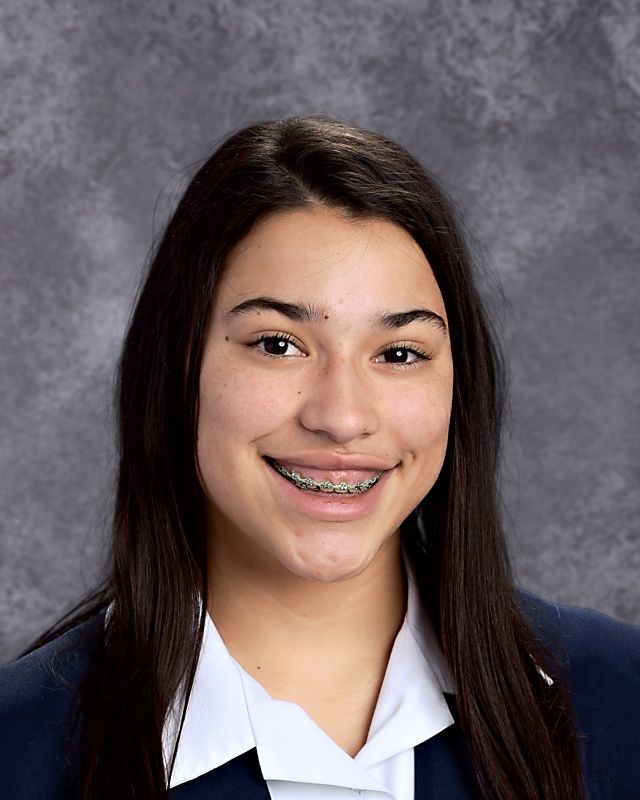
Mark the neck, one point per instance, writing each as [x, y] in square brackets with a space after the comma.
[300, 636]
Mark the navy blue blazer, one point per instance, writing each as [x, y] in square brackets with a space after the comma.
[602, 656]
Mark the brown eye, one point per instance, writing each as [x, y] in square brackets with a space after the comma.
[275, 346]
[404, 356]
[399, 355]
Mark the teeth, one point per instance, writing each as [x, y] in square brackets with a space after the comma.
[311, 485]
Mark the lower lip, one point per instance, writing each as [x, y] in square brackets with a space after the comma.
[329, 507]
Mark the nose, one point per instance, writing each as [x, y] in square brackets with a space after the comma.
[340, 403]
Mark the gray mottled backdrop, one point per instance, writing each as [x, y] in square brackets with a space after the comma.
[529, 112]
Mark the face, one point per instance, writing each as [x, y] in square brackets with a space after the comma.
[324, 405]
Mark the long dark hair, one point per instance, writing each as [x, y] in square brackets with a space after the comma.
[518, 728]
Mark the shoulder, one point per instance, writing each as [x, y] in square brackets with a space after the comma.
[50, 674]
[585, 641]
[37, 707]
[599, 661]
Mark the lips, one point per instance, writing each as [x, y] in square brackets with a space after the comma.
[340, 503]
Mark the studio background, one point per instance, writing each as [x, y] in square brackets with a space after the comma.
[528, 112]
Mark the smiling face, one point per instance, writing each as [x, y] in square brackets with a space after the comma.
[324, 406]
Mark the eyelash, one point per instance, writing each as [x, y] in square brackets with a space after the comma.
[287, 337]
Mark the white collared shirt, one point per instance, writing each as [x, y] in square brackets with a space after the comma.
[229, 713]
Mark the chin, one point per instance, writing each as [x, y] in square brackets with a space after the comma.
[326, 563]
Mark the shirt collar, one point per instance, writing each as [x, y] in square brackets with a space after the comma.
[229, 713]
[216, 727]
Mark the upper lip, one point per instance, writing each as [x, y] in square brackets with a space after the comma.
[334, 461]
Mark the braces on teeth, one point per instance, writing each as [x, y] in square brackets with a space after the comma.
[309, 484]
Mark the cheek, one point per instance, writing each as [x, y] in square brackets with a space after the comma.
[238, 405]
[421, 420]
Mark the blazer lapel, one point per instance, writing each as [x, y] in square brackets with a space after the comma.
[238, 779]
[443, 769]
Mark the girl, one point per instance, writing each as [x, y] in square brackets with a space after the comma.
[309, 594]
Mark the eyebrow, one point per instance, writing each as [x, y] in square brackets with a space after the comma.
[306, 312]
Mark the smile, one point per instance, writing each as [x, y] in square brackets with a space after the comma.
[312, 485]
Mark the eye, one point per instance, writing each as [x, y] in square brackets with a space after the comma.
[275, 345]
[402, 355]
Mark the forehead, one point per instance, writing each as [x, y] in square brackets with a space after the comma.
[326, 258]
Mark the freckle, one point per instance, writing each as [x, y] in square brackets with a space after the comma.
[259, 667]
